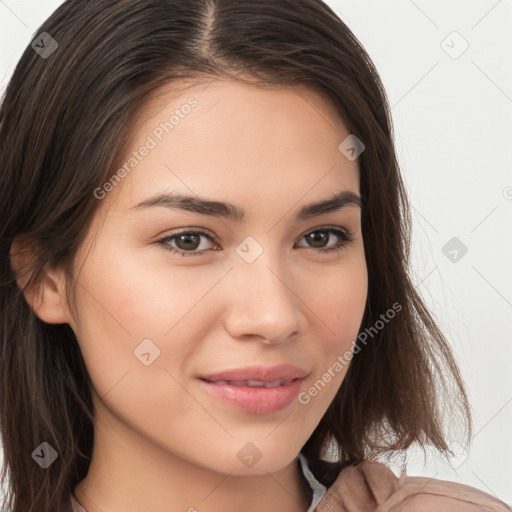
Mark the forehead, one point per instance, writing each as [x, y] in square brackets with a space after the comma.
[227, 139]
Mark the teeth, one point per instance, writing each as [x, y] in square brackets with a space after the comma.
[275, 383]
[252, 383]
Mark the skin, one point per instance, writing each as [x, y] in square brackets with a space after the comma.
[161, 442]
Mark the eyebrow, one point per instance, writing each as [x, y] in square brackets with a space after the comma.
[196, 204]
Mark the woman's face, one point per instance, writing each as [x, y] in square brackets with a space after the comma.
[253, 291]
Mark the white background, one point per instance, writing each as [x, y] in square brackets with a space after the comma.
[453, 124]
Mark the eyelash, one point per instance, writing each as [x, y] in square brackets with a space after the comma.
[344, 235]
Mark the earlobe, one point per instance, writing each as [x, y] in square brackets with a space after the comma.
[47, 296]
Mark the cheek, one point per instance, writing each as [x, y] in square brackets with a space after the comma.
[142, 294]
[122, 304]
[133, 312]
[338, 307]
[338, 302]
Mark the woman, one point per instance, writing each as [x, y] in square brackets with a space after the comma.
[204, 269]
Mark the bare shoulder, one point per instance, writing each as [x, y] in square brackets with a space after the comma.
[372, 486]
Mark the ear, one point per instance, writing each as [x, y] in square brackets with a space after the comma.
[47, 296]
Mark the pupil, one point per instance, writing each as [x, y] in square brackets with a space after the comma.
[187, 239]
[321, 237]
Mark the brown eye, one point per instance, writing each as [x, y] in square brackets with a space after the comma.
[320, 237]
[185, 243]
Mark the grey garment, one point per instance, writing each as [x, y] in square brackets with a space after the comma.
[317, 489]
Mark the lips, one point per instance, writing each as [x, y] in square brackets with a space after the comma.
[257, 376]
[256, 389]
[252, 383]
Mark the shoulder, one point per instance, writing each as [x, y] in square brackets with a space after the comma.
[372, 486]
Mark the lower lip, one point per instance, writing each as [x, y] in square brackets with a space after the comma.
[256, 400]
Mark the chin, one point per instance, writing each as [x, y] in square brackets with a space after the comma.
[251, 462]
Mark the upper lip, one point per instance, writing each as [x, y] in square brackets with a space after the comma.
[286, 372]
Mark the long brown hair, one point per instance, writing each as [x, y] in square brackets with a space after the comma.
[66, 117]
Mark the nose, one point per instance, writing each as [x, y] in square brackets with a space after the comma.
[263, 304]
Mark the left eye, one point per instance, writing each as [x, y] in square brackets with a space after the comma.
[191, 240]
